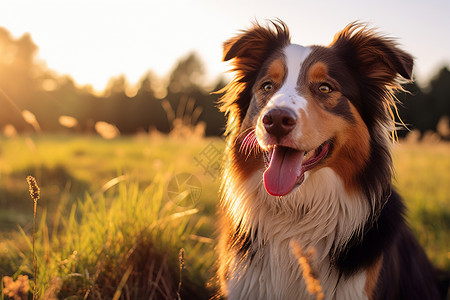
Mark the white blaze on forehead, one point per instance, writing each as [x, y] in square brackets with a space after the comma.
[287, 95]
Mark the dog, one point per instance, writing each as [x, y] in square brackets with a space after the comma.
[307, 197]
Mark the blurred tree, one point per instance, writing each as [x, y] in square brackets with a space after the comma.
[410, 101]
[186, 85]
[145, 84]
[116, 85]
[18, 72]
[146, 109]
[439, 96]
[187, 76]
[26, 84]
[215, 120]
[422, 109]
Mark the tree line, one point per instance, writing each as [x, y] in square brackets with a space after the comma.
[26, 85]
[155, 103]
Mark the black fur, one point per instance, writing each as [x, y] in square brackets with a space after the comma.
[406, 272]
[366, 66]
[242, 242]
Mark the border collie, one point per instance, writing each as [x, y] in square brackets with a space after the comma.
[308, 168]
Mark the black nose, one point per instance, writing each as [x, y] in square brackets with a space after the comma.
[279, 121]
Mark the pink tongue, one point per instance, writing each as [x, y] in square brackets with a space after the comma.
[283, 171]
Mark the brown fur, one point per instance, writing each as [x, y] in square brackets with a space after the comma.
[277, 71]
[372, 274]
[318, 72]
[366, 241]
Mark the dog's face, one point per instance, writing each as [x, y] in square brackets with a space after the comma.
[303, 117]
[310, 107]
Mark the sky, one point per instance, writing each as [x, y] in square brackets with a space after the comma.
[94, 40]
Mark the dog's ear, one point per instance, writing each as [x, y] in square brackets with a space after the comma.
[256, 43]
[247, 52]
[378, 64]
[251, 48]
[373, 55]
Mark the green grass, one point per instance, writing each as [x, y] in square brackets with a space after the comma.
[423, 179]
[75, 173]
[125, 244]
[66, 167]
[108, 223]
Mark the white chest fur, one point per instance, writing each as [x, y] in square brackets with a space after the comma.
[318, 216]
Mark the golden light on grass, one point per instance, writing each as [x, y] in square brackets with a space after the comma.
[17, 289]
[67, 121]
[106, 130]
[159, 88]
[181, 262]
[35, 194]
[9, 131]
[49, 85]
[443, 127]
[131, 91]
[30, 118]
[312, 282]
[184, 121]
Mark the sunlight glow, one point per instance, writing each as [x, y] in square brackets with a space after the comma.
[106, 130]
[67, 121]
[93, 41]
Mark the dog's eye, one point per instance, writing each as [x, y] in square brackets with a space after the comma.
[267, 86]
[325, 88]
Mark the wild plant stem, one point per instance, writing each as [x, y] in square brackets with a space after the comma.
[181, 261]
[34, 255]
[35, 195]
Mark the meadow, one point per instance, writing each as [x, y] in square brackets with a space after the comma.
[134, 216]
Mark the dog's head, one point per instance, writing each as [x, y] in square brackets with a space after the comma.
[310, 107]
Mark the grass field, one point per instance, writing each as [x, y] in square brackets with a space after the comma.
[107, 204]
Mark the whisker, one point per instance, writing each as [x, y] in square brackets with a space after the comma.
[245, 132]
[249, 143]
[255, 145]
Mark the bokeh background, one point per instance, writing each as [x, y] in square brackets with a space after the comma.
[72, 64]
[111, 106]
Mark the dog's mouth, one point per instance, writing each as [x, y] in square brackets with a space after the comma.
[286, 167]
